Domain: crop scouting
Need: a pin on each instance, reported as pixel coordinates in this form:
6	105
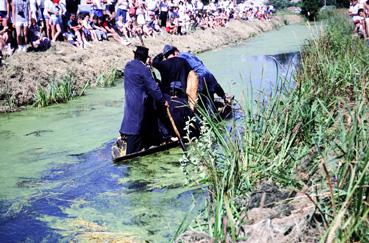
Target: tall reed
108	79
314	136
58	91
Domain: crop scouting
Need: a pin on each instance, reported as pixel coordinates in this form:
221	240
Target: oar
175	129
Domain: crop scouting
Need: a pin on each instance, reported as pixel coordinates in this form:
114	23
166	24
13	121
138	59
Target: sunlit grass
108	79
61	91
313	138
58	92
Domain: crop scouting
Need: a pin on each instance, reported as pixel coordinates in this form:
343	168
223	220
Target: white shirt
356	18
140	17
354	9
122	4
200	5
189	6
98	4
63	6
151	4
33	8
212	7
48	7
3	5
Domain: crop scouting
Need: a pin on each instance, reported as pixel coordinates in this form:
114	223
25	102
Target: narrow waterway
57	180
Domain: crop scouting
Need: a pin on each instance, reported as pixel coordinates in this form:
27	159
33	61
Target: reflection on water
258	73
57	181
270	69
249	66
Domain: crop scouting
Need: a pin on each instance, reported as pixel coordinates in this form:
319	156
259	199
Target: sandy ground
24	72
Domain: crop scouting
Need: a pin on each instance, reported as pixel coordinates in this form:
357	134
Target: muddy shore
25	72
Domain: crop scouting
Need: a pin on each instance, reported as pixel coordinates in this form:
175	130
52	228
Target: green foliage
108	79
322	123
310	8
58	92
65	89
326	12
216	166
336	3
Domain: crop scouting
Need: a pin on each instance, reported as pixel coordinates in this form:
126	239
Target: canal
57	180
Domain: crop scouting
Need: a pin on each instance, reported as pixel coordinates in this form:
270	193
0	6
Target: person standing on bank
142	94
22	19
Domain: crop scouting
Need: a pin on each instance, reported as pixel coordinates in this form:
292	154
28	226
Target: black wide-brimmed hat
142	51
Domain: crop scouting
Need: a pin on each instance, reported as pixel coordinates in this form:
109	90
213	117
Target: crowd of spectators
359	12
35	24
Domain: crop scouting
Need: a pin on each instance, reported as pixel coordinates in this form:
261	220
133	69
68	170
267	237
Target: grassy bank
307	144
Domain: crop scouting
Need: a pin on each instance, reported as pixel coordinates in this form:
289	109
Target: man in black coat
179	83
142	96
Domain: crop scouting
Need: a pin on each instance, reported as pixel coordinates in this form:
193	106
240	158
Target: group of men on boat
185	83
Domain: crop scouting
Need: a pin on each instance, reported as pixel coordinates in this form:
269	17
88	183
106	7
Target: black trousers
163	18
150	132
135	143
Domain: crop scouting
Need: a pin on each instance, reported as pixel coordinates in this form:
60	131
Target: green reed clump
63	90
314	136
211	157
108	79
58	92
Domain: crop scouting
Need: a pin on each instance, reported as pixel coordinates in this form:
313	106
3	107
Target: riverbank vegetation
311	9
109	79
298	169
58	91
67	88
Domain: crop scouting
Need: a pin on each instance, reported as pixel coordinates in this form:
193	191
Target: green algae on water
73	128
151	203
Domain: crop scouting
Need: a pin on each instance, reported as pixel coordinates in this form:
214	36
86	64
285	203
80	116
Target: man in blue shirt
208	85
142	96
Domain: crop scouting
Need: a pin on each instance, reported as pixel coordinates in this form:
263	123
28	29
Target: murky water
57	181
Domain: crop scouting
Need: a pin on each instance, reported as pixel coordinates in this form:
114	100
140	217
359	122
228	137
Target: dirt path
24	72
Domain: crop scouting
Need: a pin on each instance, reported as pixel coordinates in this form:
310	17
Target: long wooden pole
175	129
